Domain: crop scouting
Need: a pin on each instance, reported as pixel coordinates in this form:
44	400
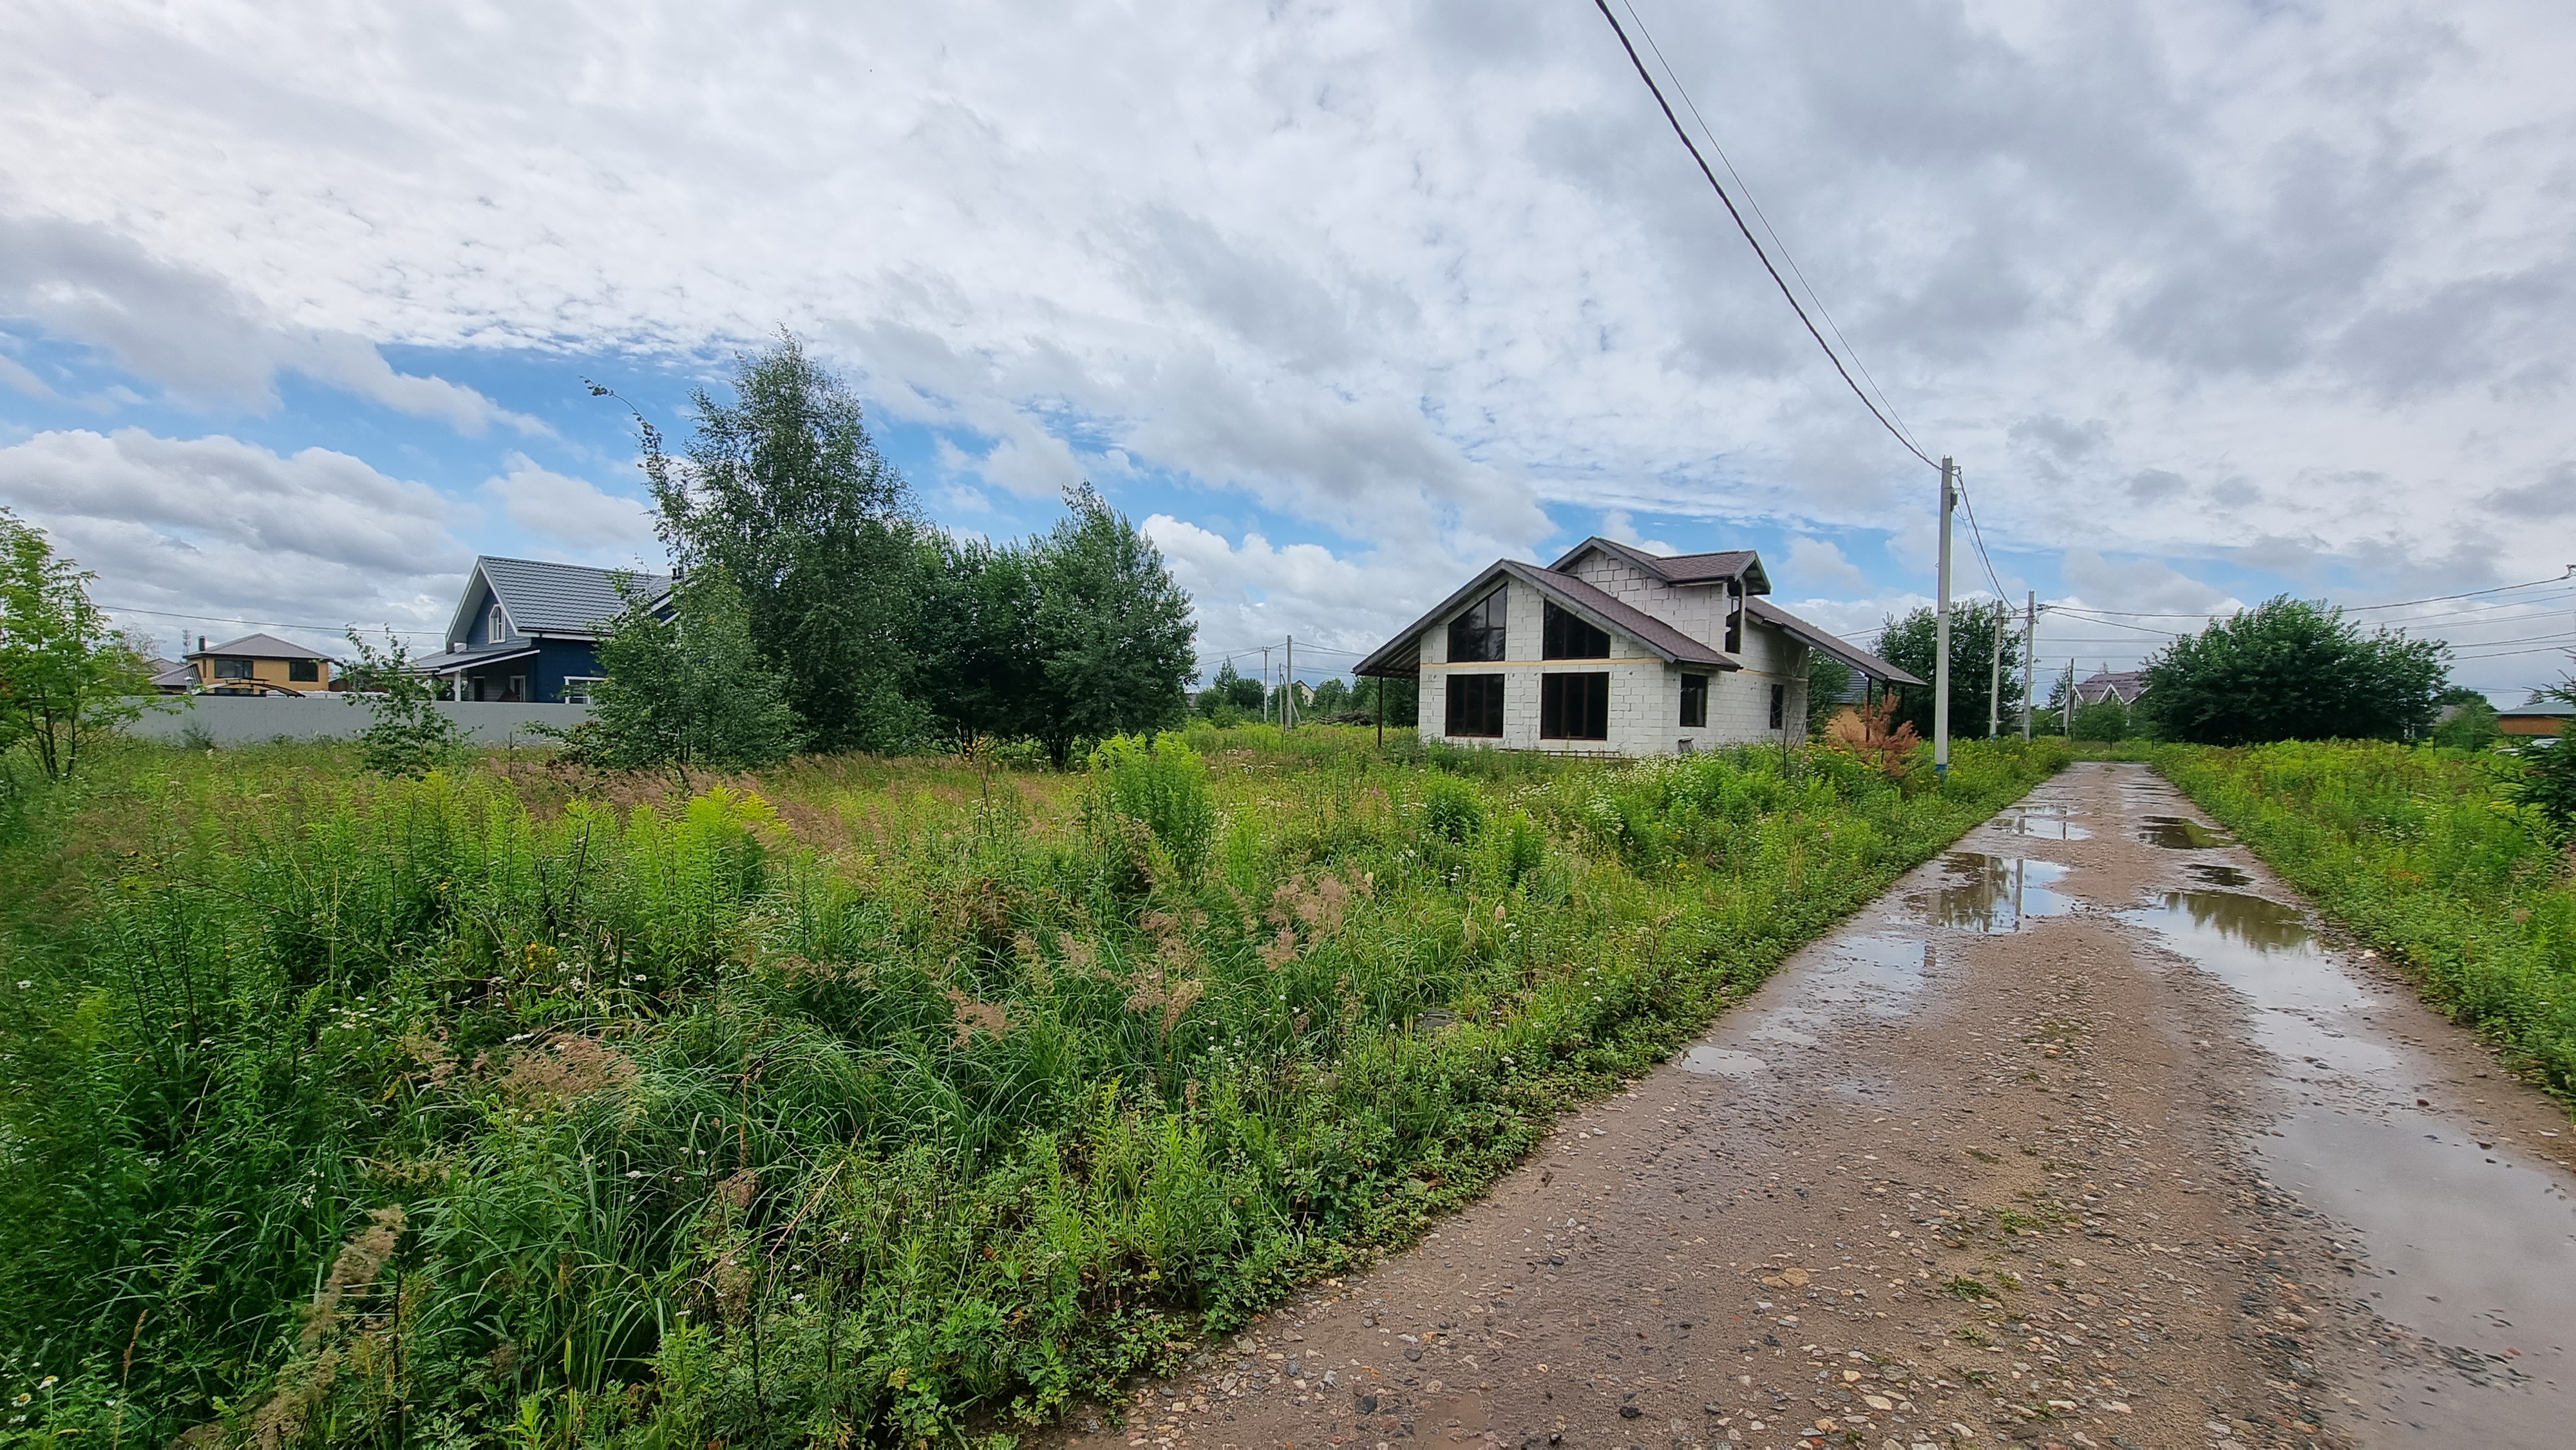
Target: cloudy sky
2211	300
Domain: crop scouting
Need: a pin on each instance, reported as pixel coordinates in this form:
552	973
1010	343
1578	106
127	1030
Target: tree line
812	606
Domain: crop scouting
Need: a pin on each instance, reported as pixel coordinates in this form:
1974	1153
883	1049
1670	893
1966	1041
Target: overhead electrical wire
257	623
1750	240
1745	189
2348	609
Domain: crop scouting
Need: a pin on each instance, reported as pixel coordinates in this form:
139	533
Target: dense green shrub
464	1110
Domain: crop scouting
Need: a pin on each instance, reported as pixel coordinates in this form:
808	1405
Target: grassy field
2418	853
869	1101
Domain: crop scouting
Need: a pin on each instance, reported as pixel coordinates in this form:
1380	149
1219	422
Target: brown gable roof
1402	655
1680	568
1850	654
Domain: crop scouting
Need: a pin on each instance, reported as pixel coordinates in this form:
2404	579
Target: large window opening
1478	633
497	629
1695	701
304	672
231	668
1476	705
577	689
1779	704
1734	616
1574	707
1565	636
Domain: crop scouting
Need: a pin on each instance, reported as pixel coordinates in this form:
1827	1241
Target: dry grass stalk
565	1069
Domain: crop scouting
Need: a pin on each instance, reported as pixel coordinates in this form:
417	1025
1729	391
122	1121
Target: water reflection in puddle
1992	893
2044	821
2179	833
2220	874
2265	950
2472	1246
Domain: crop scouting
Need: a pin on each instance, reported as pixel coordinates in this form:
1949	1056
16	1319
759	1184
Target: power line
1764	217
1750	240
2348	609
259	623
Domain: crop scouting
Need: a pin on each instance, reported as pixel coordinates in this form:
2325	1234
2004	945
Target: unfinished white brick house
1614	651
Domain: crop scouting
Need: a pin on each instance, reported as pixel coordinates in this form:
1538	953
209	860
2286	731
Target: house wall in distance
556	661
1645	692
256	720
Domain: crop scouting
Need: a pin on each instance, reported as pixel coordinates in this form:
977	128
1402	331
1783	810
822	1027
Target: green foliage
65	676
1913	643
1452	809
2426	855
2548	782
781	488
1828	680
2109	718
1112	633
686	687
2291	670
2472	723
1160	783
1230	698
890	1103
406	734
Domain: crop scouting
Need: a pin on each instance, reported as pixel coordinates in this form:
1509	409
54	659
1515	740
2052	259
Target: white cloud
209	529
574	512
1819	564
194	334
1617	526
2140	584
2190	275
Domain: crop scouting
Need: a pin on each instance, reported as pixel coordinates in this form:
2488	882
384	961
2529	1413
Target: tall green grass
2419	852
867	1101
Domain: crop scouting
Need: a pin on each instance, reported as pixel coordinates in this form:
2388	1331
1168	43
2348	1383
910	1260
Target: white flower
634	1172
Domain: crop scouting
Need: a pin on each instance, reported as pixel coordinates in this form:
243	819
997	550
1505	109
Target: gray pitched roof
261	647
1680	568
1850	654
1400	656
544	598
471	656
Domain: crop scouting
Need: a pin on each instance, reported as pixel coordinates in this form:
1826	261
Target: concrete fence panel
247	720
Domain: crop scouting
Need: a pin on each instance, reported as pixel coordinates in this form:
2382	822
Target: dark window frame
1695	702
1584	695
1482	698
304	672
1566	635
1779	705
235	667
1734	616
1479	632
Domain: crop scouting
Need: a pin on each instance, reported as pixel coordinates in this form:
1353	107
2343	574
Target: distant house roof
2103	684
551	599
476	656
1680	568
259	647
1401	656
2545	707
172	675
1850	654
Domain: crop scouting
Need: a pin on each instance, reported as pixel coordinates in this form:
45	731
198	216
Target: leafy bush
1161	784
1451	808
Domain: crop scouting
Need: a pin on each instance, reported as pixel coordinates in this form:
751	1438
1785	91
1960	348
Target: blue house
528	631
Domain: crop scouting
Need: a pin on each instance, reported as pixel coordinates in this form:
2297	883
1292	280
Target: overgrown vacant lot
2423	854
865	1101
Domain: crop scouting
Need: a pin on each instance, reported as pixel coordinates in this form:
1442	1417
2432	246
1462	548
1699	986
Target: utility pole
1288	701
2070	698
1941	637
2029	627
1995	679
1265	684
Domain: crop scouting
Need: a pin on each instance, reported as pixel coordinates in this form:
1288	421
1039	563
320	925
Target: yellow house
256	663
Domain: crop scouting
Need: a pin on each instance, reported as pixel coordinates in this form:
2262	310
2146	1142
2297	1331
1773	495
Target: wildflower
48	1382
634	1172
23	1398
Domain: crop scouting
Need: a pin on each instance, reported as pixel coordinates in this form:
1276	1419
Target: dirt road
2079	1137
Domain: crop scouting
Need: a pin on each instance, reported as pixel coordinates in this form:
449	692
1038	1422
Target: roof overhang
1815	638
1402	656
459	664
1743	565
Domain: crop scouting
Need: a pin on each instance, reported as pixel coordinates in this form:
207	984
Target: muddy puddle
2180	833
2219	873
2462	1239
2046	822
1988	893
